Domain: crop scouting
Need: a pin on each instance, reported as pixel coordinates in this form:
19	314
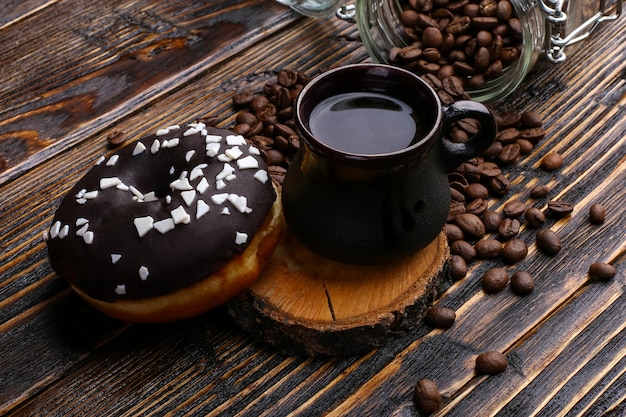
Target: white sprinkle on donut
65	230
144	273
162	132
202	208
136	192
212	149
219	198
143	225
120	290
156	145
112	160
261	175
81	221
235	140
181	185
190	131
188	196
180	215
239	202
109	182
100	160
254	150
220	184
81	232
115	257
189	155
202	186
54	230
233	153
225	211
248	162
212	139
151	196
90	195
139	148
88	237
241	238
165	225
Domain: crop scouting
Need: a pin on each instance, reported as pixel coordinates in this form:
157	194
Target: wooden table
73	71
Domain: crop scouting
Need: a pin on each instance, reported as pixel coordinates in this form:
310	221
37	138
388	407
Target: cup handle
456	153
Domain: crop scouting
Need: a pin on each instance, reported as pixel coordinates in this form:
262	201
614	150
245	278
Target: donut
168	227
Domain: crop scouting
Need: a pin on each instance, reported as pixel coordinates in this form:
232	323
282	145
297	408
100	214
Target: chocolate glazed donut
162	216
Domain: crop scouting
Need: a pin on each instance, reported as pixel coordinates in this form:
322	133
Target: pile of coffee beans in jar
475	40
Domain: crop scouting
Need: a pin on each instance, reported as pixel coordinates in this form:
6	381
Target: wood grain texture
565	342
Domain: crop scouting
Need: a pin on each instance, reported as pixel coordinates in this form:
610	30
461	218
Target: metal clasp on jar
347	12
556	19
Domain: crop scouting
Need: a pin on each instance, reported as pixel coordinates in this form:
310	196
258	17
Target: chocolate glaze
174	260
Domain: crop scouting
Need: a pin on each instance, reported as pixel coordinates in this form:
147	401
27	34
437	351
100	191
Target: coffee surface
365	123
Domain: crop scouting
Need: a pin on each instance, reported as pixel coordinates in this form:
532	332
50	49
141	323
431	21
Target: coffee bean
504	10
514	209
476	190
533	135
440	317
477	206
426	397
488	248
525	146
522	283
499	185
456	195
514	251
507	136
454	232
548	242
539	191
510	153
470	224
508	119
488	170
534	217
597	213
508	228
491	220
464	249
116	138
491	363
600	271
551	162
495	280
458	267
531	119
243	98
560	208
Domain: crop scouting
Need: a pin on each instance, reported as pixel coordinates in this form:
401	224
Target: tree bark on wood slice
304	304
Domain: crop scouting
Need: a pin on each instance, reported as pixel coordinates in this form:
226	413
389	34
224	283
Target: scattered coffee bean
458	267
471	224
488	248
440	317
426	397
597	213
560	208
600	271
476	190
116	138
464	249
495	280
539	191
530	119
514	209
491	220
491	363
508	228
454	232
514	251
551	162
534	217
522	283
548	242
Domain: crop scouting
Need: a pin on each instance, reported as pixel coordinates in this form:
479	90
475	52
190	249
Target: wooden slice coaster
305	304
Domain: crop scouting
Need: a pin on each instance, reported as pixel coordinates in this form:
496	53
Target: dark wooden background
73	71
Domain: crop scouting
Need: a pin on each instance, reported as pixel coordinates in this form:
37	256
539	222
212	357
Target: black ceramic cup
369	184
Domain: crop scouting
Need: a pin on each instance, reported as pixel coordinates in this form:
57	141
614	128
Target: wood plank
207	364
103	60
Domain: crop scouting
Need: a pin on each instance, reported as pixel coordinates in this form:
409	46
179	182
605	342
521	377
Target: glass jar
547	28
